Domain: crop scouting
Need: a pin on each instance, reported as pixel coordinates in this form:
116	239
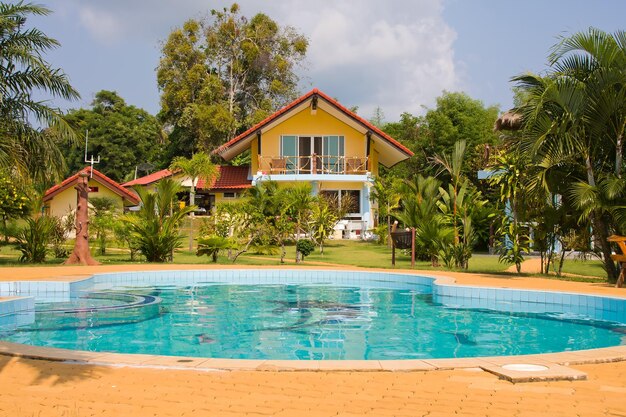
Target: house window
299	151
93	189
230	195
342	197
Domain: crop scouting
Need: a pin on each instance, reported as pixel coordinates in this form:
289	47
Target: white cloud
398	55
104	26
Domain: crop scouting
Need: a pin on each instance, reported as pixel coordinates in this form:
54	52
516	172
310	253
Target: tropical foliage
126	138
155	228
33	238
573	126
25	77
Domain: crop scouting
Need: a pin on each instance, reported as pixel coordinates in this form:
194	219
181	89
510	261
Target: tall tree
456	117
123	135
220	75
574	119
29	152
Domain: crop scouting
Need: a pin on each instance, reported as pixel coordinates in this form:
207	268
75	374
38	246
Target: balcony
313	165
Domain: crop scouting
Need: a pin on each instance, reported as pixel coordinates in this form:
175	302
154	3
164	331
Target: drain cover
524	367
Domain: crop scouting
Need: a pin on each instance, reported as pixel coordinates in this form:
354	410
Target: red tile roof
98	176
230	178
305	97
149	179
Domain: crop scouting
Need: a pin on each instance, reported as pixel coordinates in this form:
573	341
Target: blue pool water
309	321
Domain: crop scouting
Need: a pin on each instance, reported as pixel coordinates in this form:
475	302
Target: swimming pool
305	315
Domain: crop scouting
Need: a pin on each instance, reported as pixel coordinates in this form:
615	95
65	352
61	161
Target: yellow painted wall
219	198
254	154
65	201
343	185
320	124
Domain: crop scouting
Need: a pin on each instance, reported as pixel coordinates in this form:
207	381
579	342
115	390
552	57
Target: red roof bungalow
60	199
230	182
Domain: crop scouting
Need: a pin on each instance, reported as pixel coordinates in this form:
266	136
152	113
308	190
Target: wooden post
619	258
412	247
393	244
81	255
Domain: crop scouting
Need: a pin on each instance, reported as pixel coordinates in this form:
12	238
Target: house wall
303	124
65	201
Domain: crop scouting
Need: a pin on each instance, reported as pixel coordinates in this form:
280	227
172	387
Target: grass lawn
344	252
338	252
589	268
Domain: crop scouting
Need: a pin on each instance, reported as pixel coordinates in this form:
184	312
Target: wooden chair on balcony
356	165
265	165
619	257
278	166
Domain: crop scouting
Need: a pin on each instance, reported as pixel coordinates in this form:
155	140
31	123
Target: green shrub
305	247
212	245
32	240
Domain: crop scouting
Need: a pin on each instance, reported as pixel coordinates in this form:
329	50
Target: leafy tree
102	220
456	117
25	77
305	247
123	135
14	202
156	226
323	220
300	202
220	76
378	118
387	199
409	131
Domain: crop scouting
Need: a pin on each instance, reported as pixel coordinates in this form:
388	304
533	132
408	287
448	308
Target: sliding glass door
299	151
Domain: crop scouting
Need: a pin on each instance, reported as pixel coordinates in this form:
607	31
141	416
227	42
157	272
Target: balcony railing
313	164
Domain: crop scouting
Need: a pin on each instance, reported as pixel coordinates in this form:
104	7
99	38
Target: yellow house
61	199
316	139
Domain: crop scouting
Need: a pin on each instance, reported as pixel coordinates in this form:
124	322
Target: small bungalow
229	184
60	199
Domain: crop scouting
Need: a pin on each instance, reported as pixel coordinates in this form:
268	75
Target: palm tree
199	167
387	199
574	118
29	152
156	226
453	165
300	201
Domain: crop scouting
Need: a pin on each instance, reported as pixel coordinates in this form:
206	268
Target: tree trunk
601	230
81	254
283	252
192	201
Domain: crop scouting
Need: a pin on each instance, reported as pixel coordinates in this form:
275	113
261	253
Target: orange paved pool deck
31	387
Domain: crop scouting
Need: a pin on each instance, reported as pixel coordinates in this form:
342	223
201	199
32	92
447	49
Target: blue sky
397	54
